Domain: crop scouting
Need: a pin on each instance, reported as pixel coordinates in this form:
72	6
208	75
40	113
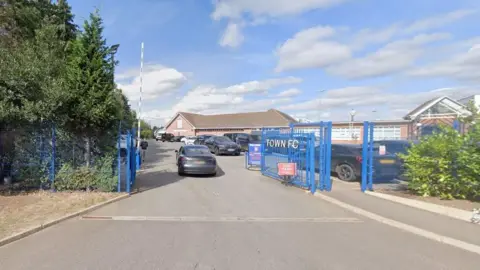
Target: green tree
32	45
475	114
92	108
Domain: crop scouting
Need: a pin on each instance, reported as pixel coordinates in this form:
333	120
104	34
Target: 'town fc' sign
283	143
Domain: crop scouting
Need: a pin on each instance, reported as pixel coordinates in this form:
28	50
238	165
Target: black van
166	137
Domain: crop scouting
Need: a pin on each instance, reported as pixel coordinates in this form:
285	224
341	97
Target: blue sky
315	59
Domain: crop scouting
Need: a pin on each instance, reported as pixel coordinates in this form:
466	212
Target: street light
352	119
352	115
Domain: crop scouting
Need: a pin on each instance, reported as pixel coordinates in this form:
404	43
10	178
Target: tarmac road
236	220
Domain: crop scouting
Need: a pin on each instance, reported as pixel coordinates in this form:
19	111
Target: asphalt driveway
236	220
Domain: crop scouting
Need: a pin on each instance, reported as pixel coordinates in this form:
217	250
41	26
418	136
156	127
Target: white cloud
271	8
292	92
209	99
393	57
320	47
464	67
157	80
232	37
369	102
260	86
439	20
309	49
256	12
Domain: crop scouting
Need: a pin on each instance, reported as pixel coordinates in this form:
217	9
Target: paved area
236	220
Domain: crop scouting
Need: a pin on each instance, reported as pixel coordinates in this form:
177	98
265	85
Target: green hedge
445	164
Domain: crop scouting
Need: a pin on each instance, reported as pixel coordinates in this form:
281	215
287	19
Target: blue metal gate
127	162
306	145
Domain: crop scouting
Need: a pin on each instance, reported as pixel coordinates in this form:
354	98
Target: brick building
191	124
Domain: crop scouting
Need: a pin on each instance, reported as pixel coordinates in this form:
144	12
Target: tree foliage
51	71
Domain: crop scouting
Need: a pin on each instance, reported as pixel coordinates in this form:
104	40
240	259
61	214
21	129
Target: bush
100	177
445	164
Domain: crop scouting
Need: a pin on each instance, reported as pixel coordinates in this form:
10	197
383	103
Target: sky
313	59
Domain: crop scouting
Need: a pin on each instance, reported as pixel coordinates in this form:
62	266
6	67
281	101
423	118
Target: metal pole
140	99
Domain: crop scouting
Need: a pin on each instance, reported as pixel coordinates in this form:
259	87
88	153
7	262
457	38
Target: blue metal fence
33	156
306	145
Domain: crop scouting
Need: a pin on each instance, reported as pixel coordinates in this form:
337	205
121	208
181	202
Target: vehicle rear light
359	158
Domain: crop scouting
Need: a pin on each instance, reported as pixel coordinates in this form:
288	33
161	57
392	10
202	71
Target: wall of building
341	133
180	127
220	132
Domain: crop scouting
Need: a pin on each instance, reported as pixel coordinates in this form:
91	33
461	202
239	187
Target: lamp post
352	119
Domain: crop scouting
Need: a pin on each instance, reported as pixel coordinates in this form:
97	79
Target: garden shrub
100	177
445	164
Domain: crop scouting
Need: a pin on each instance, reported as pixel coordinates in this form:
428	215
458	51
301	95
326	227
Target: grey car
195	159
221	145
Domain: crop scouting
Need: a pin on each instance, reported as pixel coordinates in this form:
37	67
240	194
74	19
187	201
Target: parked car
189	140
195	159
166	137
177	139
395	147
201	139
222	145
347	162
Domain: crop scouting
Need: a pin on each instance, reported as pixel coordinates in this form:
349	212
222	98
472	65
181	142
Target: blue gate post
52	162
119	157
370	157
328	156
262	160
129	161
364	156
311	149
321	154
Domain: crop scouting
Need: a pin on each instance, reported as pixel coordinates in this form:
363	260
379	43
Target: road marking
222	219
402	226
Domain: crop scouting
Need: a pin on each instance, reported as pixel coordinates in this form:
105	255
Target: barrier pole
364	156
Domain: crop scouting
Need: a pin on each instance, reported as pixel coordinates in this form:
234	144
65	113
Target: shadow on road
156	179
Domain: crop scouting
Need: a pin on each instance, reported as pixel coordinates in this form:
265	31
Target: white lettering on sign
283	143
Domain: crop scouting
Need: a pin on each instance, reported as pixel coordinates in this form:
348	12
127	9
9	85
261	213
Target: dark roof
270	118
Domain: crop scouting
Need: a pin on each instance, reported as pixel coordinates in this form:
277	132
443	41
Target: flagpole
140	99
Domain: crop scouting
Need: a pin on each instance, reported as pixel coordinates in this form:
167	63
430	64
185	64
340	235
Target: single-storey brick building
191	124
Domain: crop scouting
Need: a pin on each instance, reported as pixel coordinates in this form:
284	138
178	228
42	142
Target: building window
179	123
387	133
345	133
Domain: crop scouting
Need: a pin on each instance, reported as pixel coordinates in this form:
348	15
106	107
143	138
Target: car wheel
217	152
180	173
213	174
345	172
237	154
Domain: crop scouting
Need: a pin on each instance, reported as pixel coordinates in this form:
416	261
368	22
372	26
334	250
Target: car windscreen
222	139
196	151
255	138
242	136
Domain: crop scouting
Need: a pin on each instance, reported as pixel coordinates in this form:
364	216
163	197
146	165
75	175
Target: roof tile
270	118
